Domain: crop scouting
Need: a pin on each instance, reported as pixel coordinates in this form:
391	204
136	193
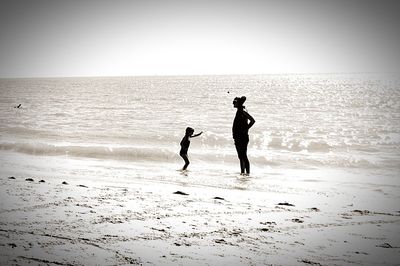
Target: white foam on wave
96	151
148	154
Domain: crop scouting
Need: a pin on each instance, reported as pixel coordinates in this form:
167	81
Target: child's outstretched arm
197	135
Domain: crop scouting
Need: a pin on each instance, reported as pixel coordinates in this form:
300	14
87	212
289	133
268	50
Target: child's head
189	131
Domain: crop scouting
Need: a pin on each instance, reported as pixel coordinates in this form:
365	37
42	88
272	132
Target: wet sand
153	223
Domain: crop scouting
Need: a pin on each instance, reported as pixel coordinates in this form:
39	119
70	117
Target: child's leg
186	159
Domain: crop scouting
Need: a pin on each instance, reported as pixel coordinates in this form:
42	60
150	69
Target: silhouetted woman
240	131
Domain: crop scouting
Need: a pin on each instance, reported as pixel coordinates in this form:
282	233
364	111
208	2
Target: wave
100	152
278	143
315	156
129	153
263	141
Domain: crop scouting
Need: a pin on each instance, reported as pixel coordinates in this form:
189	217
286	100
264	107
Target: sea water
129	128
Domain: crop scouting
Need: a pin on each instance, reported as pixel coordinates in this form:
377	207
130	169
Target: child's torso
185	143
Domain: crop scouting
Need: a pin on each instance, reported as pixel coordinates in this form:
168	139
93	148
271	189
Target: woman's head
238	102
189	131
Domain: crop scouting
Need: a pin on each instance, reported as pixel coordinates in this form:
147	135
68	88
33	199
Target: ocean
308	126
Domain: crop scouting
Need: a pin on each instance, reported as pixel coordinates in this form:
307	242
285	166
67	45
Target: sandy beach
309	222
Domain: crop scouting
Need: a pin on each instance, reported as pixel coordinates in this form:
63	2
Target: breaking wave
100	152
262	158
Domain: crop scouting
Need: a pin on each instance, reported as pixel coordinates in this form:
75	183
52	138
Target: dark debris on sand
29	180
12	245
220	241
285	204
310	262
11	177
218	198
361	212
386	245
64	183
180	193
296	220
268	223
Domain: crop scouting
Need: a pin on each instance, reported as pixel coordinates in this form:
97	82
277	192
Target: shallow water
130	127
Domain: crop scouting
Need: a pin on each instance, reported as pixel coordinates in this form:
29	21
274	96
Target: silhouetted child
185	143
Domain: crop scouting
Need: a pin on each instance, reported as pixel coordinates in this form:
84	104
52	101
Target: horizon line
200	75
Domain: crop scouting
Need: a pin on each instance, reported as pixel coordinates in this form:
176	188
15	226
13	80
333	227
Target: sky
54	38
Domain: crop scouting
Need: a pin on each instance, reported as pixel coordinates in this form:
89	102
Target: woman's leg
242	166
241	148
246	164
245	159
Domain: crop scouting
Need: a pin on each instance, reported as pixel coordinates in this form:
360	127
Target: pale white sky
112	38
